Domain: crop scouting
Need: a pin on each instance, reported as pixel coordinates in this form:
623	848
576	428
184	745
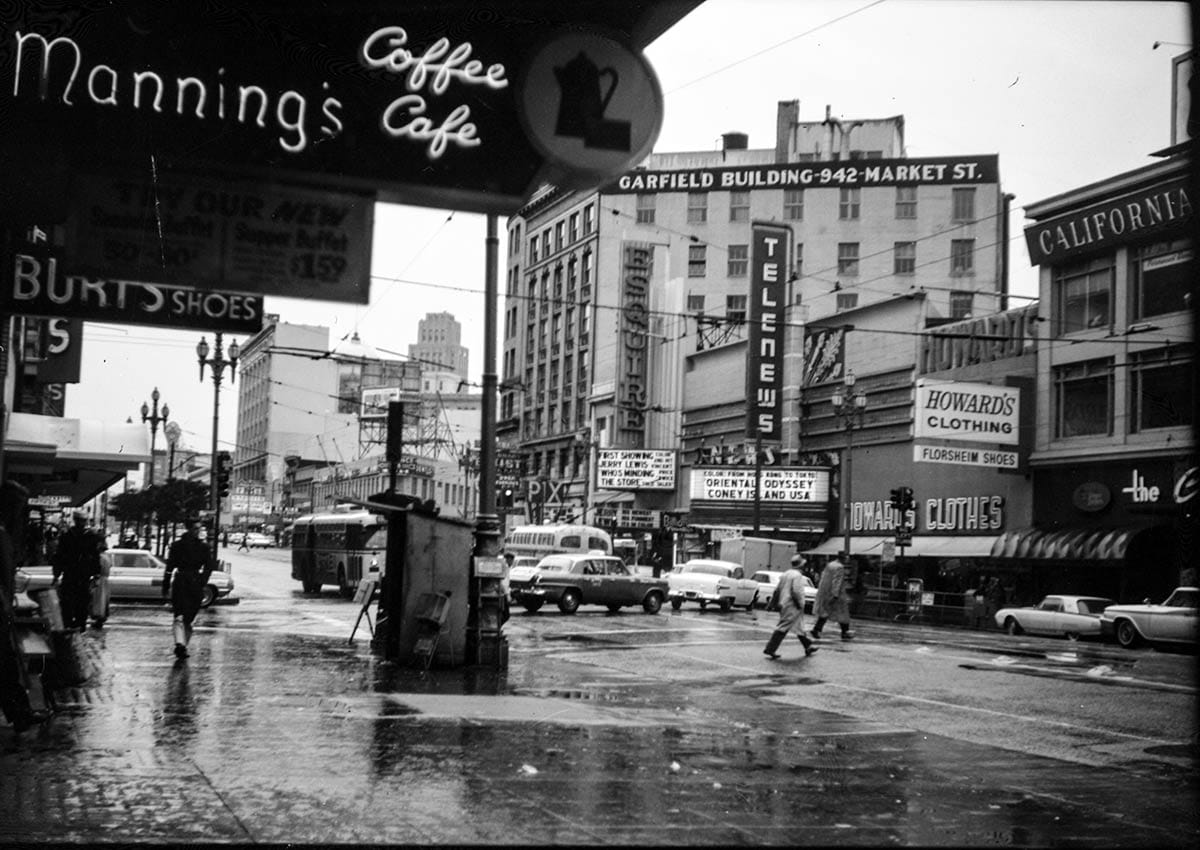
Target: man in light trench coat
791	611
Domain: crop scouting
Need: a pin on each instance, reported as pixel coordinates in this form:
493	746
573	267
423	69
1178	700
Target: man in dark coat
189	564
76	563
833	600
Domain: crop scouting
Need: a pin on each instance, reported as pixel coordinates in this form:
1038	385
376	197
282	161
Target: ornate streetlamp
216	365
155	420
850	406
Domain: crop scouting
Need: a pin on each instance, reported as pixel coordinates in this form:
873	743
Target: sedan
1174	621
135	574
707	580
1072	616
573	580
768	586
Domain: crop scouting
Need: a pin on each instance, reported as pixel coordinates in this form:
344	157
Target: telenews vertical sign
770	244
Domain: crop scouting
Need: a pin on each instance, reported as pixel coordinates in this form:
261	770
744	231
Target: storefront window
1083	395
1162	277
1161	388
1083	295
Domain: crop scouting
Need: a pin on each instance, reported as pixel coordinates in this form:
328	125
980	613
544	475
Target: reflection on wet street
265	737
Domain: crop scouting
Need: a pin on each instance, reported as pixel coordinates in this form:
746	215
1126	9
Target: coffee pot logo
585	91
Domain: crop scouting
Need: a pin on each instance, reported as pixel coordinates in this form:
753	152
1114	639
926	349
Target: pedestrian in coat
245	543
189	564
833	601
76	564
791	611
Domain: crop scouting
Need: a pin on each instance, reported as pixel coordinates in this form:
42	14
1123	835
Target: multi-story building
628	312
439	345
1114	465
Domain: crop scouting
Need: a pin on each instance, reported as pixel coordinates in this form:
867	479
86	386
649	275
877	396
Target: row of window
962	206
904	259
1161	393
1161	276
962	304
578	225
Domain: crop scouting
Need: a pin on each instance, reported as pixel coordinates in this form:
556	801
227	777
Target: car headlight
21	582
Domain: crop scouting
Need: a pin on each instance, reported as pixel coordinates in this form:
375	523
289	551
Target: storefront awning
1087	544
922	546
75	459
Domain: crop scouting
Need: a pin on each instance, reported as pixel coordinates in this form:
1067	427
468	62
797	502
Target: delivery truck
757	553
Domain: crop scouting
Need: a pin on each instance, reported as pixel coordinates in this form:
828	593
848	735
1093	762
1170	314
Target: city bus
338	548
538	541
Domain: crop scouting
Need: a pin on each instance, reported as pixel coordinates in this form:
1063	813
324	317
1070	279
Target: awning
76	459
1070	543
922	546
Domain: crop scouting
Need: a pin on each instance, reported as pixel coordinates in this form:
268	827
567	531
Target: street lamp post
173	432
850	406
216	365
155	420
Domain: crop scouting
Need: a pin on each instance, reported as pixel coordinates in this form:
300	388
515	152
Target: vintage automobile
768	583
573	580
705	580
255	540
1174	621
1072	616
135	574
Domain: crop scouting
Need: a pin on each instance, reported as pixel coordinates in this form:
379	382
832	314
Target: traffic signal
224	465
896	499
504	497
906	498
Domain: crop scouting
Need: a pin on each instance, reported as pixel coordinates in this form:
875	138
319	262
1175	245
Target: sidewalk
263	737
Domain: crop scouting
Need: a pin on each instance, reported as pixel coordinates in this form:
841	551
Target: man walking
189	565
791	611
76	563
833	601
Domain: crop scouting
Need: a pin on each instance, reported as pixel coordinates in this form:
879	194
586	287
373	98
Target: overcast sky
1065	93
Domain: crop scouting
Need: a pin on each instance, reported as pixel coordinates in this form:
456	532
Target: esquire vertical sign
764	355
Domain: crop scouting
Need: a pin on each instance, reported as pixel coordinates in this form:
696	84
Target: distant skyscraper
438	346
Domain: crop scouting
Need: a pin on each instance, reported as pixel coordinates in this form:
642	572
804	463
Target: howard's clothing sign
857	173
967	412
1102	225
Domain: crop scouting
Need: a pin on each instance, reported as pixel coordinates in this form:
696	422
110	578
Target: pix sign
417	101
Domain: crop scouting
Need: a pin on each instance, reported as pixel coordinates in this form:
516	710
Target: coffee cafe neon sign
431	71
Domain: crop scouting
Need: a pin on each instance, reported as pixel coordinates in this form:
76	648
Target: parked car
257	540
1174	621
573	580
705	580
135	574
1072	616
768	584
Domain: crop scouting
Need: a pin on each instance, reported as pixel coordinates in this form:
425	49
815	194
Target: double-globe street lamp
216	365
850	406
152	416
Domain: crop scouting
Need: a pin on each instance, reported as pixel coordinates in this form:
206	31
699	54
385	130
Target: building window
546	243
645	209
533	249
589	219
962	256
1083	399
695	303
906	202
697	212
735	308
572	276
905	258
847	258
1161	388
1083	295
560	230
696	261
573	229
793	204
739	205
798	261
586	273
963	204
847	300
962	304
739	260
1161	278
849	203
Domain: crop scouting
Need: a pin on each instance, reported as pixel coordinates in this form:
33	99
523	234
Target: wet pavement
264	737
